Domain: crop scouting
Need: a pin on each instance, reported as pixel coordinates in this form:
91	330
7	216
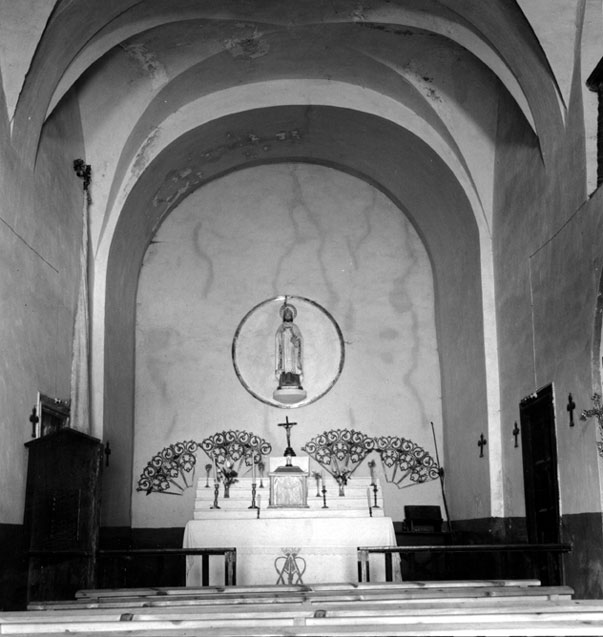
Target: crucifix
515	433
481	443
571	405
287	425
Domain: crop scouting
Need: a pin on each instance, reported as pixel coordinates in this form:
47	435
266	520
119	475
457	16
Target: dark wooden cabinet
61	520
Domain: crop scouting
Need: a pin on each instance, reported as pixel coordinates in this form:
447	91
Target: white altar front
289	545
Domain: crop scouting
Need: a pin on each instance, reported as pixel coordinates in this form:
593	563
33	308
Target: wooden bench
488	607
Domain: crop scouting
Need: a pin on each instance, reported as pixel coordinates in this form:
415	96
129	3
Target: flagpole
441	474
80	362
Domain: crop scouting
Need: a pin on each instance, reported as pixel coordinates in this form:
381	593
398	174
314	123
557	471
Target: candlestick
216	493
253	497
324	496
375	489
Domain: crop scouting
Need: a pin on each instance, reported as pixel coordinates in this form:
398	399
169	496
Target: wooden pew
495	607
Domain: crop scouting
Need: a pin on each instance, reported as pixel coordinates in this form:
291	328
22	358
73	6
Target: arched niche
388	156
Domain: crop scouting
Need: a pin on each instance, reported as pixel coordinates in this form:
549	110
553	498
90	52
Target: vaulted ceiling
407	94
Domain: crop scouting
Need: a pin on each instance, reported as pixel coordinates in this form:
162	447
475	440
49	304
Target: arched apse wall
253	234
398	163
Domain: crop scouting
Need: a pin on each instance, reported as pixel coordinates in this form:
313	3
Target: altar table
308	550
313	544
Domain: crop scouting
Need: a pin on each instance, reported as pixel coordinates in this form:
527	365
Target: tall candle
215	471
259	498
253	470
322	479
368	496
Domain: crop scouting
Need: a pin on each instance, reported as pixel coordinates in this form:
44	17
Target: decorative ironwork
167	470
340	452
235	450
597	411
405	463
84	172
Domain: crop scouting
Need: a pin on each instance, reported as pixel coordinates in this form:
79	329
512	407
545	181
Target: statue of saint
289	367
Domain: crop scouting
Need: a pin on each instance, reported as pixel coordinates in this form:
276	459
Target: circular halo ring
248	376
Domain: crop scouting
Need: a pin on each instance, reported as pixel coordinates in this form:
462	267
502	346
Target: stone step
354	504
277	513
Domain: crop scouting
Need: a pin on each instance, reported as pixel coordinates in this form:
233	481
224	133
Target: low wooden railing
129	555
550	552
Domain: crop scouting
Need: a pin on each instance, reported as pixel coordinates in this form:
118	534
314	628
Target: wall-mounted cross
516	434
571	405
481	443
34	420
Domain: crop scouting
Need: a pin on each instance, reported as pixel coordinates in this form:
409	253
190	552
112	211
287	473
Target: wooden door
541	484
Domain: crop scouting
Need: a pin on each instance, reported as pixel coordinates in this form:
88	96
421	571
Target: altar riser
275	513
354	503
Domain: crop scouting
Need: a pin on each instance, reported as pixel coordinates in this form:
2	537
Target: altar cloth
323	549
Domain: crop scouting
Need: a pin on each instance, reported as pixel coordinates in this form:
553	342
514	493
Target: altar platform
290	545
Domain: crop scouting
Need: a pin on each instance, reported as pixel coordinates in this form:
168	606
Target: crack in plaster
203	256
403	305
299	203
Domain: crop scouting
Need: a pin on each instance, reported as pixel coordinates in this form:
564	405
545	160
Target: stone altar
289	544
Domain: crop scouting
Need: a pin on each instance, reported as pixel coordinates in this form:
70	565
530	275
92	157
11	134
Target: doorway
541	484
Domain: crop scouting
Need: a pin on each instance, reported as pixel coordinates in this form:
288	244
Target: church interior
405	191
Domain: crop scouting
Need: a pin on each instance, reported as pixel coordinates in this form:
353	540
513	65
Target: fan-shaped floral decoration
340	452
167	470
404	462
234	450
